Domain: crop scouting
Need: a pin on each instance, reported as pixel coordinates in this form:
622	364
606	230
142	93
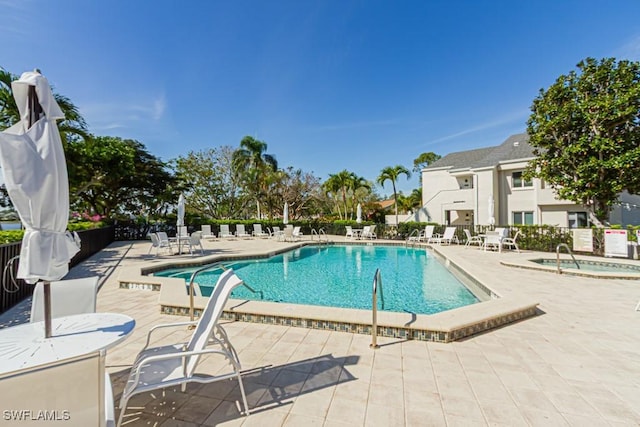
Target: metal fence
11	293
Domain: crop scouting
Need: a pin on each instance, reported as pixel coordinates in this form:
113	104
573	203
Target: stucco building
485	186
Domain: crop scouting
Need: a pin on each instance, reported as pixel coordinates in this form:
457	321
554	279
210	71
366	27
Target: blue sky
328	85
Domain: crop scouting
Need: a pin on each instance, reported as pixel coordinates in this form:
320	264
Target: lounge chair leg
244	396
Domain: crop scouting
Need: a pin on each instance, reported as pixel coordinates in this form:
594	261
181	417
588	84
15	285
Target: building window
577	219
518	182
523	218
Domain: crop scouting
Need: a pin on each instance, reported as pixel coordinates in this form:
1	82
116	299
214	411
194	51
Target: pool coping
496	310
530	264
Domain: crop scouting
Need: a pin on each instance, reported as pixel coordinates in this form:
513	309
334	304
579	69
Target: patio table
25	345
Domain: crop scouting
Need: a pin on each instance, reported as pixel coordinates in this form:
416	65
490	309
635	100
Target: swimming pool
341	276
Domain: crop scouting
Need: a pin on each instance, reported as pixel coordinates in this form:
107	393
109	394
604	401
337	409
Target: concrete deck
576	363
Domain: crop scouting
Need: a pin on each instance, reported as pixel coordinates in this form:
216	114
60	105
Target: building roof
515	147
385	204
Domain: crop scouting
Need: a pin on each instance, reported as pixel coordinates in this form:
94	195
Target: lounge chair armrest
177	355
166	325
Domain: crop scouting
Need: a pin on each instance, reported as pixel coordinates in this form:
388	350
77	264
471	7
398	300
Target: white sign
615	243
582	240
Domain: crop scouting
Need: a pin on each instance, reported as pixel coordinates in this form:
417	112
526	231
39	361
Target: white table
25	345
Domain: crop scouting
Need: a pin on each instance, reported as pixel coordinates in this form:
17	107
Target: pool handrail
564	245
205	268
377	284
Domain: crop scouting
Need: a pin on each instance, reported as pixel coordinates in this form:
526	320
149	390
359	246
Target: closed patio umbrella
180	222
491	207
35	175
285	215
359	214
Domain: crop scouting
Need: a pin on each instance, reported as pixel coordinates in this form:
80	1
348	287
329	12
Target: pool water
600	266
342	276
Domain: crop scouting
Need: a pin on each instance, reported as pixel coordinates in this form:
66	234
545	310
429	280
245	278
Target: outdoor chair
195	241
493	240
511	242
68	297
157	244
78	386
368	232
349	233
171	365
448	237
277	233
241	232
206	231
296	233
164	241
472	240
257	231
224	232
182	231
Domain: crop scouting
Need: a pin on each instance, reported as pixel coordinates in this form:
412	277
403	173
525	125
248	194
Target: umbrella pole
47	308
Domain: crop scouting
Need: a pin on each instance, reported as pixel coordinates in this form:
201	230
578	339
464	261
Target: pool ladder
377	285
564	245
205	268
320	233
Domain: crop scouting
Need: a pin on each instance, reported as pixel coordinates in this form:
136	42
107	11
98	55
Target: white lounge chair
172	365
73	296
424	235
224	232
368	232
182	231
511	242
297	234
195	242
277	234
349	233
206	231
448	237
472	240
287	234
241	232
257	231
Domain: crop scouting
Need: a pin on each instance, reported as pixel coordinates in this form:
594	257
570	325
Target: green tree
110	175
252	163
339	183
424	160
585	130
212	189
392	173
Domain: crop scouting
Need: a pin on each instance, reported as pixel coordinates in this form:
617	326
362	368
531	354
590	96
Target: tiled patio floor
577	363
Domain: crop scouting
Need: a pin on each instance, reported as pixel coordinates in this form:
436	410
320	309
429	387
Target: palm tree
391	173
252	162
357	183
340	182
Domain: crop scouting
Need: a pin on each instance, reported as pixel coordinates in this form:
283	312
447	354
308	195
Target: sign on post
615	243
582	240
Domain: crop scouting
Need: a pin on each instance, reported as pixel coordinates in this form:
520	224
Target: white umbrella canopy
35	175
359	214
491	207
285	215
181	207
